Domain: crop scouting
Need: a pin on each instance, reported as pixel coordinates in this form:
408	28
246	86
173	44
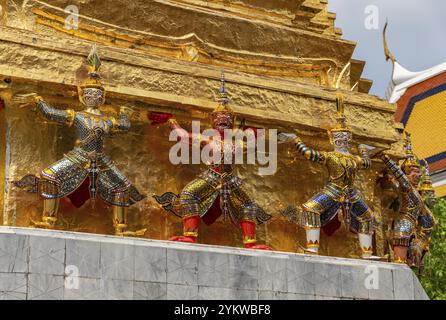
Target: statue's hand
126	111
377	152
283	137
26	99
364	147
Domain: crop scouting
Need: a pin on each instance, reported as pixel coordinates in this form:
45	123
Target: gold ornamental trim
190	47
190	234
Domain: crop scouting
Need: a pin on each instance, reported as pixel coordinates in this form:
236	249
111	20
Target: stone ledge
36	264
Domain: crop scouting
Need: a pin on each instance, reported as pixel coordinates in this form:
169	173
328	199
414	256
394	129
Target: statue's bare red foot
184	239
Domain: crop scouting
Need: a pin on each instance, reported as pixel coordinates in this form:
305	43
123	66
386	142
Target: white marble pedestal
41	264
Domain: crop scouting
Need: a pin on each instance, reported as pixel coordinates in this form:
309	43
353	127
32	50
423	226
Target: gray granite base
42	264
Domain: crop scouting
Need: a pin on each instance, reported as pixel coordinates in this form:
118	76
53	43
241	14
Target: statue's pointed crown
223	100
341	120
411	159
93	63
426	184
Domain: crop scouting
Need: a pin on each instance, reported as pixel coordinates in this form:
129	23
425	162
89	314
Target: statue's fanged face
414	175
342	141
93	97
222	121
429	197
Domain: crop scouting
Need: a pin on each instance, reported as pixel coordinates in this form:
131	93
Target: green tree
433	277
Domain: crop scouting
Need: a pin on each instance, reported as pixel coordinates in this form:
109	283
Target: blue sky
416	35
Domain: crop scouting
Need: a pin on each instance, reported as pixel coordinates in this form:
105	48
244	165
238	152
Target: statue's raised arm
53	114
309	153
46	110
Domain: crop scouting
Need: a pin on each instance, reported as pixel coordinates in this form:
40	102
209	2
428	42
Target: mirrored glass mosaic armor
87	159
217	190
339	195
413	227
